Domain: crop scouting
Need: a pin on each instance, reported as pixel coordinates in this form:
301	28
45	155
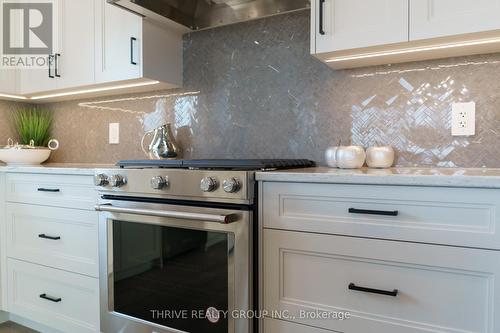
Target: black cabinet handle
321	14
52	299
53	190
373	212
392	293
132	41
51	59
57	56
49	237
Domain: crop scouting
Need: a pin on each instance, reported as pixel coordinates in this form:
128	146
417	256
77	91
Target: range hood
204	14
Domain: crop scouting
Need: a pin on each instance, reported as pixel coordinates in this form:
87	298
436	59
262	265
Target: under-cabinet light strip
13	96
93	90
414	50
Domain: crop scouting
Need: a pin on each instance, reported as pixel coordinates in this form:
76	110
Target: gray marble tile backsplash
253	90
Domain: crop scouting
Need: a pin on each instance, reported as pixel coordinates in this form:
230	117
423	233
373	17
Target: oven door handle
225	219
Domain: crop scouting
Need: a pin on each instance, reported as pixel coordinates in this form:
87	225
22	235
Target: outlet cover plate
463	119
114	133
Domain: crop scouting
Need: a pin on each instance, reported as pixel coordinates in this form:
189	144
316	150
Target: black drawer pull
57	56
321	14
392	293
373	212
53	190
49	237
132	42
50	62
52	299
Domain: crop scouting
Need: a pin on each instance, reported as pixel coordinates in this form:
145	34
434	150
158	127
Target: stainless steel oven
173	263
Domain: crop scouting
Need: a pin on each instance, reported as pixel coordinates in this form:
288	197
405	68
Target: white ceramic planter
24	157
15	156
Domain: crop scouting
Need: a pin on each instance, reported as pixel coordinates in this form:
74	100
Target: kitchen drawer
452	216
280	326
75	298
57	237
72	191
439	288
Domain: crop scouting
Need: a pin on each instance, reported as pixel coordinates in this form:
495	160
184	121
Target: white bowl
24	157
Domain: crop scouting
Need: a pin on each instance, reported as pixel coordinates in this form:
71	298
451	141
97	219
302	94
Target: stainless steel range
176	244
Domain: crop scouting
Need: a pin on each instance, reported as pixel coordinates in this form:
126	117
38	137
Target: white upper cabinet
131	48
439	18
72	61
349	24
119	39
359	33
100	49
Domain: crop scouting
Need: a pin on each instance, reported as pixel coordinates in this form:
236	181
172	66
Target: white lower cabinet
53	297
466	217
49	251
69	191
412	288
59	237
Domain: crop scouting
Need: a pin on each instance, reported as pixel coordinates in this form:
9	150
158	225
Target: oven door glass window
171	276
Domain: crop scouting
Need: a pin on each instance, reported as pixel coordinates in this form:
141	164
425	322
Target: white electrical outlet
114	133
463	119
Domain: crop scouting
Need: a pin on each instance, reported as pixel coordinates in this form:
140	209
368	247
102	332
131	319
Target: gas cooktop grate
219	164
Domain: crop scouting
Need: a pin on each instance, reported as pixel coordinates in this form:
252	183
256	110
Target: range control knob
231	185
159	182
117	181
101	180
208	184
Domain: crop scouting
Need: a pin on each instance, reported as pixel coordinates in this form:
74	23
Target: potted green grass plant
33	124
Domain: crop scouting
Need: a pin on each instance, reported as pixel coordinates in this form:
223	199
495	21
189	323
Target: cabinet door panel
73	39
439	18
414	288
119	44
76	63
74	247
350	24
31	288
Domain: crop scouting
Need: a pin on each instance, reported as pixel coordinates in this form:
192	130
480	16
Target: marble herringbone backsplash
253	90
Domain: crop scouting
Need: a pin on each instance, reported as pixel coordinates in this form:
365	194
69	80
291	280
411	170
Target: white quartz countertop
450	177
57	168
447	177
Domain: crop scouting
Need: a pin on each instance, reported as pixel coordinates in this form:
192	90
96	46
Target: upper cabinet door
439	18
119	44
75	64
73	51
349	24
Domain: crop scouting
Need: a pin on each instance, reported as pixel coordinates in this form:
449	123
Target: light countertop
57	168
447	177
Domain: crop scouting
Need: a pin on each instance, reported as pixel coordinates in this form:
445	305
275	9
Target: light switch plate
463	119
114	133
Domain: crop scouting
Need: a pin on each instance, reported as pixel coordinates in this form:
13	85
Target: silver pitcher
162	144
